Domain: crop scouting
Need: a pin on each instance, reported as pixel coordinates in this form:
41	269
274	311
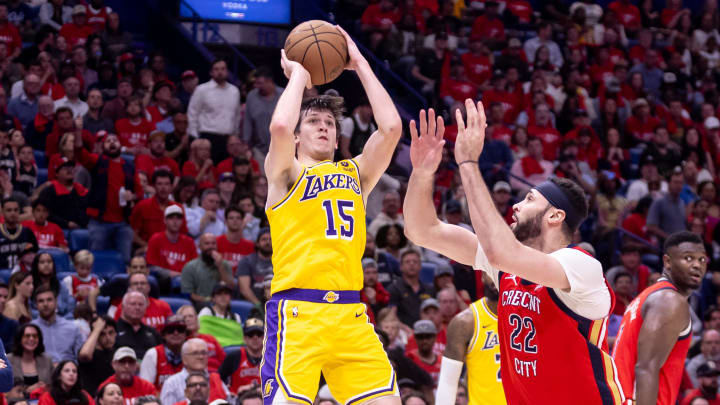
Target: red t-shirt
550	138
233	252
477	68
150	164
510	102
642	131
156	115
695	394
148	218
191	169
52	140
48	235
432	369
628	15
376	17
667	15
155	314
520	9
47	399
172	256
131	134
636	224
227	166
98	18
10	36
458	90
138	388
75	34
484	27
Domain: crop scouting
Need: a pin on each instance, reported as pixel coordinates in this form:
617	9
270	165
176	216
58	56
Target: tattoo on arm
459	332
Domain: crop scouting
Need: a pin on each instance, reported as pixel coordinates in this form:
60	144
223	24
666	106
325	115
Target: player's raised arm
379	149
498	242
281	155
422	225
660	330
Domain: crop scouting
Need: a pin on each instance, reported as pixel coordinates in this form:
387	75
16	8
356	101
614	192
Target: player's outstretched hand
290	66
426	147
471	138
355	57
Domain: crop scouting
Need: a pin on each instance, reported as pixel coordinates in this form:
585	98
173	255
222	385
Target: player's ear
666	261
556	216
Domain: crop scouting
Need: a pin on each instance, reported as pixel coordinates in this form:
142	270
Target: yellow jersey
483	358
318	230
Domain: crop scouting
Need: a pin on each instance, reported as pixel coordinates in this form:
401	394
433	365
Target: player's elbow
277	126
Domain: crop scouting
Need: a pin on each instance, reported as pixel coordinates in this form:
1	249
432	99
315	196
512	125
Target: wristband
469	161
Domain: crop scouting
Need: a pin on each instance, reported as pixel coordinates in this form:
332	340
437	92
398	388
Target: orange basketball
320	48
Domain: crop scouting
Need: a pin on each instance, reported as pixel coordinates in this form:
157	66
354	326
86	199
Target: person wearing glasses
165	359
194	359
241	368
197	388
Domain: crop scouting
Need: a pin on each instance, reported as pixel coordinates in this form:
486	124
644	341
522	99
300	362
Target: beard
265	251
113	153
529	229
207	257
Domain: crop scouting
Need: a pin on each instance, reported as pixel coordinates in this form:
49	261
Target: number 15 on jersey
344	226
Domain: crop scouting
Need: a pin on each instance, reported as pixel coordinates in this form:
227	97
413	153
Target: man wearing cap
164	360
66	200
124	363
62	338
641	124
667	213
488	26
148	216
132	332
373	293
430	310
197	389
213	110
241	368
707	388
259	108
77	31
253	268
502	195
93	121
71	100
95	356
199	276
195	359
550	284
425	334
454	214
188	83
168	251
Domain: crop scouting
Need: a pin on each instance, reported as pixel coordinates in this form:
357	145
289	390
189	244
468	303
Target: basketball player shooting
315	320
553	300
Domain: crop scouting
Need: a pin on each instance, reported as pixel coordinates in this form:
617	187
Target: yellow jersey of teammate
483	358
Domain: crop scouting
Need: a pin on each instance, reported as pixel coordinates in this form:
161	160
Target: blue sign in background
253	11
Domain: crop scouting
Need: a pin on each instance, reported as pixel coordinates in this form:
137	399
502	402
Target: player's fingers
481	112
431	122
471	113
460	122
413	131
440	133
423	123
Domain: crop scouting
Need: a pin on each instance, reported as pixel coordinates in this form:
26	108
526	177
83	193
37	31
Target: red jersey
696	393
150	164
75	34
216	354
155	314
147	218
625	350
130	134
74	284
376	17
48	235
627	14
191	169
486	28
550	138
226	166
163	253
10	36
246	372
432	369
97	18
549	354
138	388
163	368
47	399
458	90
642	131
438	347
233	252
520	9
478	68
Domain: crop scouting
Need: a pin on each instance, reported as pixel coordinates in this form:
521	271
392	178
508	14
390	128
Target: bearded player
472	338
553	300
316	209
651	372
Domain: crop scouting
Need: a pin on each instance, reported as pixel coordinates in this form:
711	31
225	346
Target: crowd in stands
102	149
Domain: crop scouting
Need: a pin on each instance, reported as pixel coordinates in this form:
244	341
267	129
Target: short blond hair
84	257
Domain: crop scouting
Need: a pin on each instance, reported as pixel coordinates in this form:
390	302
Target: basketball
320	48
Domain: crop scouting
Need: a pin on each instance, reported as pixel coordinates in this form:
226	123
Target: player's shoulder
577	257
463	321
666	300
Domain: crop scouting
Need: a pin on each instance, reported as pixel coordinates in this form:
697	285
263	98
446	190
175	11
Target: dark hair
250	394
677	238
621	274
576	197
707	315
410	252
264	71
11	199
43	289
218	60
335	105
59	395
185	181
62	110
42	33
15	279
381	236
162	173
233	208
17	341
147	399
702	185
195	374
133	99
414	394
643	205
4	285
101	391
38	202
37	277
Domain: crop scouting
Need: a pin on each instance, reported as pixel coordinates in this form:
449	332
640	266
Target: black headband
558	199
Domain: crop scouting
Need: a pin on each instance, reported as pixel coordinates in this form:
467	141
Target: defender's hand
471	139
426	147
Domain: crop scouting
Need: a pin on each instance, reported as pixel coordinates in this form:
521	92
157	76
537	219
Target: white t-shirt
588	296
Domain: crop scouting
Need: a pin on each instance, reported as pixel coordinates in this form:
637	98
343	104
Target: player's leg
358	370
290	370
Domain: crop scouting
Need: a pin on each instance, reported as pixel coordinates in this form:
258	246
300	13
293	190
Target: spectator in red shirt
9	34
477	62
641	125
457	88
543	129
64	123
77	32
200	165
231	244
636	223
48	234
623	289
378	20
133	131
627	14
236	148
162	93
425	334
125	365
157	159
707	377
488	26
169	250
373	293
148	217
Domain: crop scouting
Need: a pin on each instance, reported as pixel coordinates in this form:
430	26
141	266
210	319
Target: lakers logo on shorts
268	388
331	297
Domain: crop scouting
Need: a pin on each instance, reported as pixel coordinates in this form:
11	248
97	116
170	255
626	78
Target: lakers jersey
483	358
318	230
